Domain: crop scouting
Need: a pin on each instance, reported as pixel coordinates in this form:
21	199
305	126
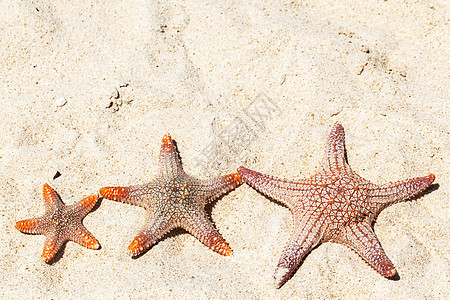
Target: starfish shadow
58	255
97	205
396	277
433	187
270	198
178	151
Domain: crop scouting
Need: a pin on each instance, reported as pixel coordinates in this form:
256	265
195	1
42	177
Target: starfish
61	223
335	205
175	199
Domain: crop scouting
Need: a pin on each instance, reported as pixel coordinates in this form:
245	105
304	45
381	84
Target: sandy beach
89	89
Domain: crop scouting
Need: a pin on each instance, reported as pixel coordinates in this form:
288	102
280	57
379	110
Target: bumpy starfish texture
175	199
61	223
335	205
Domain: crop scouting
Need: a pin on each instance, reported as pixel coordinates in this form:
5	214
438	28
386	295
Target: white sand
380	68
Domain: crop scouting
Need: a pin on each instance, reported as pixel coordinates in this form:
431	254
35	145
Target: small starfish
335	205
175	199
61	223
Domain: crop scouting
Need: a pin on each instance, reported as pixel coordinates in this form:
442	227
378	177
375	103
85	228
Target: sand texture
88	89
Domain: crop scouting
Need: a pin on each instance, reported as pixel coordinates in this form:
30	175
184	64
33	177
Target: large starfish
175	199
335	205
61	223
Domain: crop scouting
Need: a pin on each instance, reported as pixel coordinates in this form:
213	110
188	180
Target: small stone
364	49
61	102
359	69
115	94
57	174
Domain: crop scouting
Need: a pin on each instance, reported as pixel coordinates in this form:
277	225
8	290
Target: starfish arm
286	191
199	226
306	235
169	159
83	237
32	226
402	190
129	195
51	247
51	198
156	226
334	160
83	207
361	238
216	187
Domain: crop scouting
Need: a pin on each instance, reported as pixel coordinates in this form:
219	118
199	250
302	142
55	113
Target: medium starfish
175	199
61	223
335	205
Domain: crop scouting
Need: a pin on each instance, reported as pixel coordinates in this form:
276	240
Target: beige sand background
131	71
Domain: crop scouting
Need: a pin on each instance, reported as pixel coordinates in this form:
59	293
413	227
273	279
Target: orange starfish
61	223
175	199
335	205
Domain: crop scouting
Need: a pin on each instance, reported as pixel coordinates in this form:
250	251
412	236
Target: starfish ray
175	199
335	205
61	223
